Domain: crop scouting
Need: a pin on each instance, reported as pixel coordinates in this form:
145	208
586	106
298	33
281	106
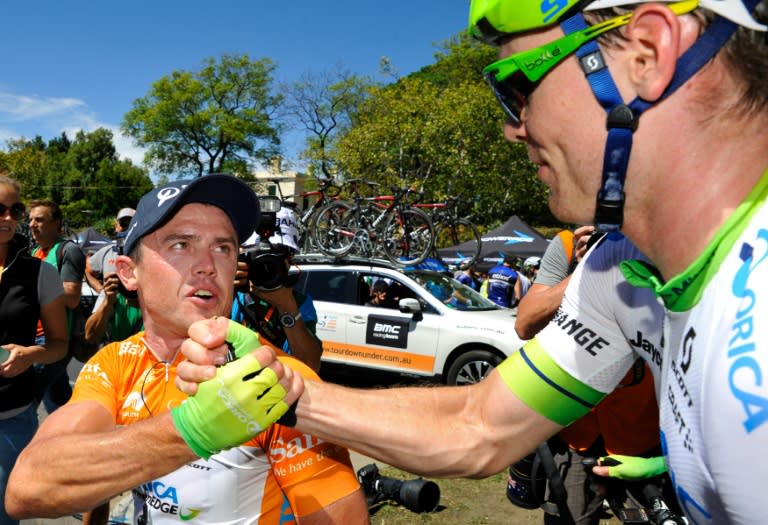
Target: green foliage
440	130
84	176
210	120
325	105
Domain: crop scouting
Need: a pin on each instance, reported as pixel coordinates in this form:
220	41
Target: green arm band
242	400
632	467
540	383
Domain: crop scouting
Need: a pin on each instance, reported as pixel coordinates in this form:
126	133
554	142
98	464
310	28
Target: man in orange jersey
128	427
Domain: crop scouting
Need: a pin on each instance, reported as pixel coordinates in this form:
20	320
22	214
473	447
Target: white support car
432	327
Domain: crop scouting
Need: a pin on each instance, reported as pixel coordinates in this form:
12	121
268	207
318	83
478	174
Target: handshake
243	398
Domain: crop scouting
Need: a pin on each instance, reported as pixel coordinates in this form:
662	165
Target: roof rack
309	258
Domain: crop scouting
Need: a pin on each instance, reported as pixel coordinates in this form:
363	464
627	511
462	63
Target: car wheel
470	367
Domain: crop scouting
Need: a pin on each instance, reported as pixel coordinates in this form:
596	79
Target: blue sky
70	65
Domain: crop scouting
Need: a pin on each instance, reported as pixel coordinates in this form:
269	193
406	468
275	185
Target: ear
656	38
125	268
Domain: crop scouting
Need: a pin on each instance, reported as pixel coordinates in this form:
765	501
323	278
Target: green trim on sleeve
534	377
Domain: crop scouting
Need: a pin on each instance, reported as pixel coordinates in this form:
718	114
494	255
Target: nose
205	263
515	133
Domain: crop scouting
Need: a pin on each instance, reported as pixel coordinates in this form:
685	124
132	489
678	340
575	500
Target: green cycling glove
241	401
633	467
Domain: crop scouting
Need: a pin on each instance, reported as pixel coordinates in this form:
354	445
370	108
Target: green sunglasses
514	78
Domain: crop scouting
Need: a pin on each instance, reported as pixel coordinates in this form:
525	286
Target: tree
217	119
440	129
324	104
84	176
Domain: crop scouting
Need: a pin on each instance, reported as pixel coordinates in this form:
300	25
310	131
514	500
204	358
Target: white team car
434	328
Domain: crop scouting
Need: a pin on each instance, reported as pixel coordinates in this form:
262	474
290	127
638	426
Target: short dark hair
380	286
56	213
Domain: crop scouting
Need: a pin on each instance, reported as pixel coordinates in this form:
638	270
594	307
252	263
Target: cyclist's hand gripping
630	467
243	397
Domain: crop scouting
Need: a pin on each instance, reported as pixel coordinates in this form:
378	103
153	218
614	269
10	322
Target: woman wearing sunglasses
29	290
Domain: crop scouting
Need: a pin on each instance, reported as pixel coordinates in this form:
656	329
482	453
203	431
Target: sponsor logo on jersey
133	402
287	450
653	353
94	370
129	348
161	497
587	338
745	375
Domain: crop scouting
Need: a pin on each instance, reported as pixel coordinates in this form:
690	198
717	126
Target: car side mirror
410	305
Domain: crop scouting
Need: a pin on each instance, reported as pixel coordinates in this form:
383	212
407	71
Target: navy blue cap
229	193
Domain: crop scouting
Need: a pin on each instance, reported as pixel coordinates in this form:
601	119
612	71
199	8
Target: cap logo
166	194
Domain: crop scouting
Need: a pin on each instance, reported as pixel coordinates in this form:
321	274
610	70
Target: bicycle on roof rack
328	191
372	226
453	230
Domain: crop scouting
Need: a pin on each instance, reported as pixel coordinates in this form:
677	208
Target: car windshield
451	292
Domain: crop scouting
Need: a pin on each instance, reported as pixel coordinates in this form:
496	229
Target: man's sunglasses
17	211
514	78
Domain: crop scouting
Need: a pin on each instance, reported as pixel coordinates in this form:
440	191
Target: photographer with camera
115	317
266	301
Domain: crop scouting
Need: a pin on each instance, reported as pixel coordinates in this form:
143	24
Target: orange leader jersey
279	475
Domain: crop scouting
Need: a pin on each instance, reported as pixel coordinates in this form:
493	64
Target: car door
383	337
333	293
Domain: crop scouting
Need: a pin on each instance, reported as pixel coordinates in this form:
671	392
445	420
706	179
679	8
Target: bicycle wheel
408	236
332	231
459	231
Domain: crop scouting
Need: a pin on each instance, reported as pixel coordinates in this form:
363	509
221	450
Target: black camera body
417	495
267	267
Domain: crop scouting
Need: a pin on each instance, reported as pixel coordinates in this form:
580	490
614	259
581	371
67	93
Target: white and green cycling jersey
702	334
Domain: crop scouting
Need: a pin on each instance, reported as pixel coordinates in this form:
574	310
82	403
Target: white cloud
27	116
24	108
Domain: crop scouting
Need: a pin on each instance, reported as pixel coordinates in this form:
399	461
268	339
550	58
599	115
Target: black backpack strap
557	490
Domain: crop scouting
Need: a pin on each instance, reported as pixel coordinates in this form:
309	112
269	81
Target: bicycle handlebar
658	510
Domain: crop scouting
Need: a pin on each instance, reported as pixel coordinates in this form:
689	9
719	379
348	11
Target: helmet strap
622	119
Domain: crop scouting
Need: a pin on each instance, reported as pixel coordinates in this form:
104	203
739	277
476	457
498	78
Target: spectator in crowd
102	263
564	252
531	267
30	289
504	284
116	314
525	282
181	258
45	225
469	277
283	316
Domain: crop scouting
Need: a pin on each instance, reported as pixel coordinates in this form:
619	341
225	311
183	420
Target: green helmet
490	20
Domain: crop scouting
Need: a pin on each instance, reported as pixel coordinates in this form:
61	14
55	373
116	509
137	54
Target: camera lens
267	271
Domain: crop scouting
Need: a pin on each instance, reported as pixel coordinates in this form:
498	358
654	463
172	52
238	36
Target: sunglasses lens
16	211
512	93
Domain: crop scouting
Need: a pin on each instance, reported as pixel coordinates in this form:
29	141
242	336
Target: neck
686	197
165	350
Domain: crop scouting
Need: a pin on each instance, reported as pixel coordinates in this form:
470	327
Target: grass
462	502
